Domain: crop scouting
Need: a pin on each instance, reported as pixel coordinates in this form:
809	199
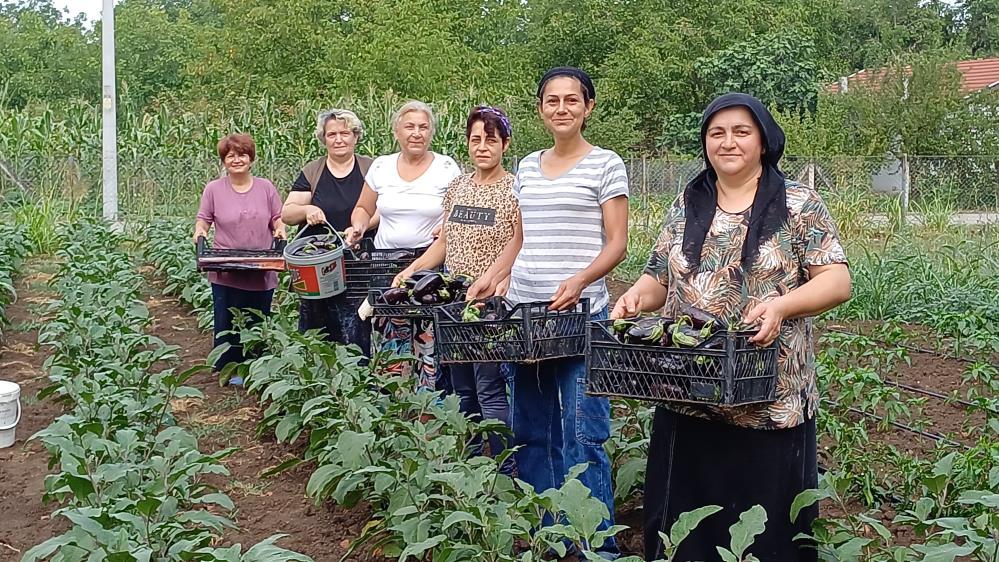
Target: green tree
44	56
982	26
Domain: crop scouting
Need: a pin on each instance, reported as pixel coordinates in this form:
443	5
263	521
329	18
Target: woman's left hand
770	316
280	232
568	293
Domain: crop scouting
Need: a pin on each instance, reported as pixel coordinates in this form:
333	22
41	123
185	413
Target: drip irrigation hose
934	436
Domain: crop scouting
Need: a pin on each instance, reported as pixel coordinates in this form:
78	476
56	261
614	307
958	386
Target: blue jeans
225	298
558	426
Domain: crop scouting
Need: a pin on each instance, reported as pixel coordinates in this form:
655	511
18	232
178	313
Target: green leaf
980	497
943	552
628	475
417	549
688	521
751	523
219	499
805	499
321	479
82	487
352	446
288	428
458	517
727	556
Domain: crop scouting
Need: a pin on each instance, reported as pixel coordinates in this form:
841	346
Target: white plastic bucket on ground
316	277
10	412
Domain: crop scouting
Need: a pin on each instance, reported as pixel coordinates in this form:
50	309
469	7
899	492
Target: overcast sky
92	8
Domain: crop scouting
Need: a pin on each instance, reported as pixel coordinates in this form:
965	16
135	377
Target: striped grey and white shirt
563	224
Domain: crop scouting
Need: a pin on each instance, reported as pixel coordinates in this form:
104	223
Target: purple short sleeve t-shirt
243	221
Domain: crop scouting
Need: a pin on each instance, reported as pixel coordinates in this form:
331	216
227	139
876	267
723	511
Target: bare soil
23	467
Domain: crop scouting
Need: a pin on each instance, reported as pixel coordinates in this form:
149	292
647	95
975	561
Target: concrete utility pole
109	136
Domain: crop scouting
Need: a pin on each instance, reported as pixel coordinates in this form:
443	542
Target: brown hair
494	121
240	143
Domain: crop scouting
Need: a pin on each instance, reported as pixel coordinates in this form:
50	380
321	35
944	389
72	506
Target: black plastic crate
407	310
736	372
523	333
366	268
215	259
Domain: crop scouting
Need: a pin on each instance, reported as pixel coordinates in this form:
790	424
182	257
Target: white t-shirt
409	209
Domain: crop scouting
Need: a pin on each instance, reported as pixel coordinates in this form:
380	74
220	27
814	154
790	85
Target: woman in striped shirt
573	201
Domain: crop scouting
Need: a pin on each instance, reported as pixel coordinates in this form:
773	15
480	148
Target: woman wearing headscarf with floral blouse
745	244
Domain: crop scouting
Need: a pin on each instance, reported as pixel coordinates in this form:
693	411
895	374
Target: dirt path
227	417
23	468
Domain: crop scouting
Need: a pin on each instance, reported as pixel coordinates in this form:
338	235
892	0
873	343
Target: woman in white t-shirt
407	188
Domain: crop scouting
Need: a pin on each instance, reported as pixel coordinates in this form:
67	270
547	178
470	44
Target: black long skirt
695	462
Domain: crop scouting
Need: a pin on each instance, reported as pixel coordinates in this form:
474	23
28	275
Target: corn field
166	157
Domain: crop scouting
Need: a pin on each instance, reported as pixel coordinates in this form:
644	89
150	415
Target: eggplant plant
131	482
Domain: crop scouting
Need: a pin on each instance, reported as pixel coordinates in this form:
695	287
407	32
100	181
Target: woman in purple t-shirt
246	212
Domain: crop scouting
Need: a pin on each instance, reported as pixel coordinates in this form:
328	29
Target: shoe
236	381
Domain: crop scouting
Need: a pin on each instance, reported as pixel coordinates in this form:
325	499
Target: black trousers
225	298
337	318
695	462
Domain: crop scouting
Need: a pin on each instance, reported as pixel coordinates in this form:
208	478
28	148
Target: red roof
976	75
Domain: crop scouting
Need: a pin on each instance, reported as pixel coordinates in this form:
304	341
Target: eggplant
396	255
418	275
428	285
460	283
432	298
395	296
683	335
699	319
647	331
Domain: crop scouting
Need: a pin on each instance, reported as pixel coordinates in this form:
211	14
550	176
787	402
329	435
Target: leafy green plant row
14	247
130	480
166	246
406	454
944	499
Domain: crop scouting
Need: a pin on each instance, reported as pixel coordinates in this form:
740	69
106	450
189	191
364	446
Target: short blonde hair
414	105
347	116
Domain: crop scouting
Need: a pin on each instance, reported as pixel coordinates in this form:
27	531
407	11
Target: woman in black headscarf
745	244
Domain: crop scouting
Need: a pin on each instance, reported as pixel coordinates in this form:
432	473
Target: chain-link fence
850	184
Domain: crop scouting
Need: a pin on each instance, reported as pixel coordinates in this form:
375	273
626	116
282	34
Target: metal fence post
906	186
109	130
811	173
645	190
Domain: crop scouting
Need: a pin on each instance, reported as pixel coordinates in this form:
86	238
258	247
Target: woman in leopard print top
480	219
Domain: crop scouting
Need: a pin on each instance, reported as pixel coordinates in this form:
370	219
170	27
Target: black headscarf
769	211
572	72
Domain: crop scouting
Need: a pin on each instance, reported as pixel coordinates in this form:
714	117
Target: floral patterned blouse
719	286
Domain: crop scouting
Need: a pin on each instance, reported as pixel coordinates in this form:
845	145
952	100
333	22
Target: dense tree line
656	63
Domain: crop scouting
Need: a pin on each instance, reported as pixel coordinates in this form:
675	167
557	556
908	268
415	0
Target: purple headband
504	121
